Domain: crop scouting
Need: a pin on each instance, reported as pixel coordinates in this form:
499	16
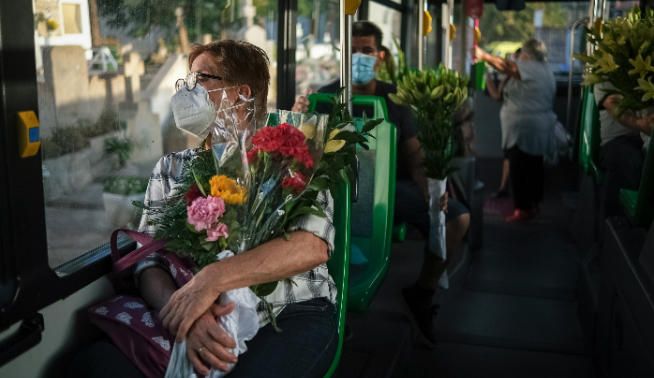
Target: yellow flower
309	130
641	66
333	144
606	64
648	87
227	189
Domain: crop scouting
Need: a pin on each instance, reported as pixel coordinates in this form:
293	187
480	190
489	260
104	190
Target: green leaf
370	125
264	289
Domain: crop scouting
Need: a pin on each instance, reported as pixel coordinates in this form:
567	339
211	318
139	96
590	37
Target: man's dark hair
366	29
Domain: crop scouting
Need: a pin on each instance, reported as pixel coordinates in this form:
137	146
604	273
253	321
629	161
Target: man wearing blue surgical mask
411	187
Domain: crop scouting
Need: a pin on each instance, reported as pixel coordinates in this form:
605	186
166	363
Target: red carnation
295	182
284	140
192	193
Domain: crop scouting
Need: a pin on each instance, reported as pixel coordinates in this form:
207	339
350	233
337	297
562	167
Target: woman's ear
245	90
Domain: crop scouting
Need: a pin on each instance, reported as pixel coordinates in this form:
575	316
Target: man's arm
627	119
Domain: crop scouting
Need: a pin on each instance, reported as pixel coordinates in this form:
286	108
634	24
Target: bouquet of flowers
251	186
434	95
623	56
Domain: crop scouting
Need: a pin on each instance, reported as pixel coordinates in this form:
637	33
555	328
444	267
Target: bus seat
639	204
339	263
589	136
372	228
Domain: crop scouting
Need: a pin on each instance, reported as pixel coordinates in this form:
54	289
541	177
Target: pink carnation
217	231
205	212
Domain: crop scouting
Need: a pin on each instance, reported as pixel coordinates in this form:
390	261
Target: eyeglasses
193	78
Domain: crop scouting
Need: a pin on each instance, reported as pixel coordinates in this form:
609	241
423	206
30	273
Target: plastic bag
242	325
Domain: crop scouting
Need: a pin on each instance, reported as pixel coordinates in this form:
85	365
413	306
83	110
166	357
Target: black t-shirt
400	116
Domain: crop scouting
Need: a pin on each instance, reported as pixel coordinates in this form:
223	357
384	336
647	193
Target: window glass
105	79
389	21
317	55
72	18
503	32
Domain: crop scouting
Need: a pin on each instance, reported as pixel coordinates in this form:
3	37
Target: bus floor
510	311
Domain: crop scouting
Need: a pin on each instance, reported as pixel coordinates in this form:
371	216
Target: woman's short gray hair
535	49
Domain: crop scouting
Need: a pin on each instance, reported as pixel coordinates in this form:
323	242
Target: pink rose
205	212
217	231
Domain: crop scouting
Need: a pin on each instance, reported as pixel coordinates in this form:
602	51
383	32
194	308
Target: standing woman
527	120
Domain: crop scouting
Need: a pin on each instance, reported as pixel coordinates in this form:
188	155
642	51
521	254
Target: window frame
27	282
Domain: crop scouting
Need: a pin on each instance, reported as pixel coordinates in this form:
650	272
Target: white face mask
193	111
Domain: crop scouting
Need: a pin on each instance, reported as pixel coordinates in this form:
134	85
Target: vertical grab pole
346	17
447	23
573	29
421	35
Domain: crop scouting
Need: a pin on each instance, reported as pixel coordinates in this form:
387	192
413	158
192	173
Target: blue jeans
304	348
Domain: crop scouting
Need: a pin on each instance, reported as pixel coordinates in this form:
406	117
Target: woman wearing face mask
527	121
226	74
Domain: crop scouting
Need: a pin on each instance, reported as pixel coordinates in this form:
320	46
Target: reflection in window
317	55
389	21
503	32
105	79
72	18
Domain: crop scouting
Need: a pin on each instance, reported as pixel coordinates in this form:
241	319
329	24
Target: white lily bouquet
624	49
434	95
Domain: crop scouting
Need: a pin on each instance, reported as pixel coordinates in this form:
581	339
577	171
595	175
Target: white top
527	116
610	128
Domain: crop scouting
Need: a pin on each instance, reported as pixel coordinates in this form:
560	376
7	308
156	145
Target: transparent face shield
232	130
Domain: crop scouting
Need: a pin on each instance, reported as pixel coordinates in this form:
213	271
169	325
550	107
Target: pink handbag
132	326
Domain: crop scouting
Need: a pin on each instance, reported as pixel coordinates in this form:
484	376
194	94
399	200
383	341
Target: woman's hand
478	54
301	104
208	344
188	303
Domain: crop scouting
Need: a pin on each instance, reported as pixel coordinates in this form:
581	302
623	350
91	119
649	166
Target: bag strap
148	246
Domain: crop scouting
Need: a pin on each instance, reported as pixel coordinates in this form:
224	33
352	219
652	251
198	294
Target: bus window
389	21
503	32
105	77
317	55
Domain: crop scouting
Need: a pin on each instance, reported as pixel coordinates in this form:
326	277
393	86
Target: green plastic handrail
339	263
377	246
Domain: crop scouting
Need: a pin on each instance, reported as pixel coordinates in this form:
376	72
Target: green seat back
372	228
639	205
589	135
339	263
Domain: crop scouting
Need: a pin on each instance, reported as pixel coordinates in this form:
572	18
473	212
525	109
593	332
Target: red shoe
519	215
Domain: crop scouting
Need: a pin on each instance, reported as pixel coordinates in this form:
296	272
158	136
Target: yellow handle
426	23
29	139
477	36
351	7
452	32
